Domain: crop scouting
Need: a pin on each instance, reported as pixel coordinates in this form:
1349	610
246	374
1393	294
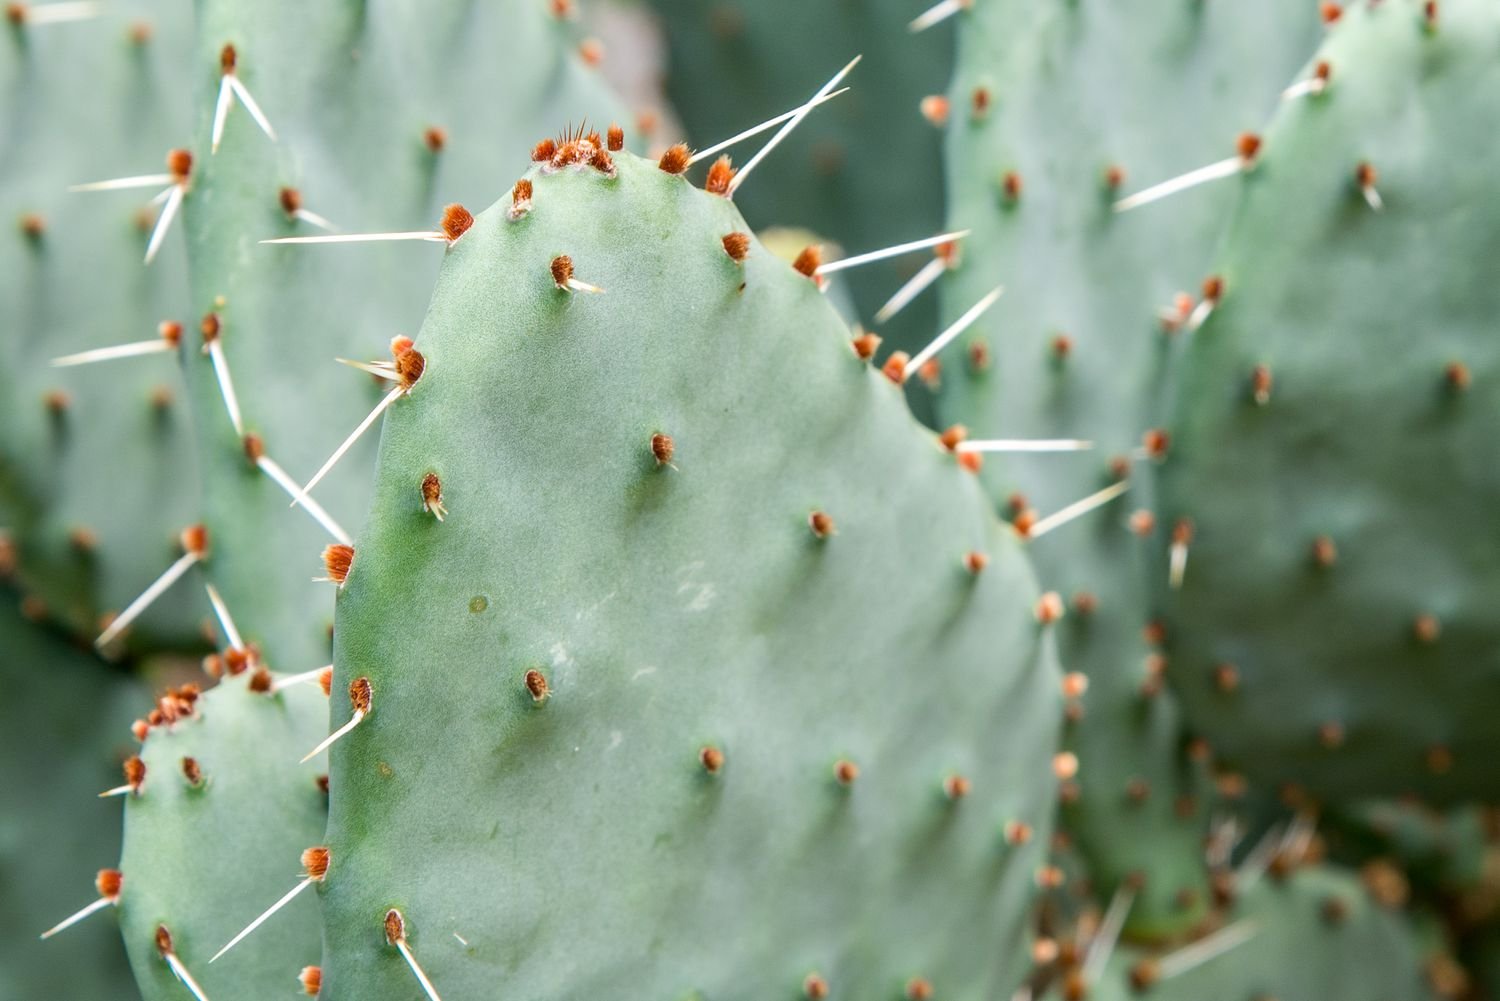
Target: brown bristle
814	987
194	540
170	331
712	759
1247	146
1017	833
543	151
675	159
325	680
315	863
821	524
1010	186
108	883
410	364
432	494
33	225
337	558
979	102
1114	177
1062	346
208	327
536	684
1023	522
1227	678
261	681
360	694
979	355
311	979
435	137
135	772
1142	522
562	270
456	221
808	262
865	346
931	373
1213	289
322	783
971	461
737	246
1323	70
845	771
236	661
1330	12
956	787
400	344
228	58
255	447
1049	608
179	164
395	927
975	561
1456	374
521	192
601	161
935	109
1182	532
291	200
1426	629
591	51
1156	442
616	138
663	448
1365	175
895	367
953	436
192	772
719	176
163	940
918	989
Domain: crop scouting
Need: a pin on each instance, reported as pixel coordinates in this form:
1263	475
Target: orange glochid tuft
456	221
675	159
719	176
337	559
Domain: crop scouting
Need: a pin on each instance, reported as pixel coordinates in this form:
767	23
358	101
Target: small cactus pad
213	837
1057	110
1344	560
700	747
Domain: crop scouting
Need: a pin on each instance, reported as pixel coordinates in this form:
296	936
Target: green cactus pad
1343	561
95	492
741	774
204	859
64	721
353	94
1046	99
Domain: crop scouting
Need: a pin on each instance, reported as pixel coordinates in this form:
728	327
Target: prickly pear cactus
1334	417
1055	113
376	125
1317	933
733	64
63	730
618	595
71	279
213	835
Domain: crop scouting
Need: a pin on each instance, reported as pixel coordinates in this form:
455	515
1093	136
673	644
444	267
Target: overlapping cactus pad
1336	626
649	647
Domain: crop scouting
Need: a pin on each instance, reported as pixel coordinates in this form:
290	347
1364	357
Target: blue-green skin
350	89
1156	89
64	728
673	607
204	861
1298	952
1357	314
864	169
84	102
